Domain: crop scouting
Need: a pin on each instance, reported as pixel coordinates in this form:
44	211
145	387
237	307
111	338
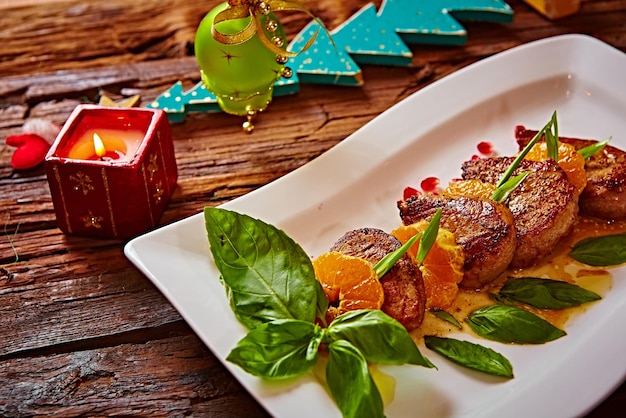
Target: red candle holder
116	185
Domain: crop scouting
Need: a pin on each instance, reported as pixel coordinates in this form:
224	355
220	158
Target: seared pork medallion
605	194
405	298
483	228
544	205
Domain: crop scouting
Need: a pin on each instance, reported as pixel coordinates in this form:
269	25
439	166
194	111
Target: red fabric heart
31	150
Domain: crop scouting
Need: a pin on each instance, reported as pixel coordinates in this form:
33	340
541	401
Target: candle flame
99	145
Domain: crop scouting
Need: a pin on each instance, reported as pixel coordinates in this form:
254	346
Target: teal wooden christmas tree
326	61
437	21
368	37
369	40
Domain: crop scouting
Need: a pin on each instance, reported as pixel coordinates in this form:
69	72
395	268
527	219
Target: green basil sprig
470	355
278	350
273	290
355	339
351	383
546	293
608	250
381	339
287	348
446	316
509	324
262	269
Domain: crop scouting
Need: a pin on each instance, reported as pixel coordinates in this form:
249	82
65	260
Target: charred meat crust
544	206
405	298
484	230
605	194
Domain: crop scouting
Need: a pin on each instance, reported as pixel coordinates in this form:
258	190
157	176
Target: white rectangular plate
357	184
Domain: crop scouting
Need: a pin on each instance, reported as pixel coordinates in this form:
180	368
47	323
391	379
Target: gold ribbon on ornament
240	9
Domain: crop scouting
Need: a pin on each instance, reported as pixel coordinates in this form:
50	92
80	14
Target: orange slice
442	269
349	282
570	161
475	189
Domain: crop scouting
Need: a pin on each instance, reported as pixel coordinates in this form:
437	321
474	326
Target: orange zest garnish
349	283
570	160
442	269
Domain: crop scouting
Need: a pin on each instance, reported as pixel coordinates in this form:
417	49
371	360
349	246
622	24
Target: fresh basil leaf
608	250
351	383
380	338
446	316
263	269
509	324
279	349
470	355
429	237
590	150
516	162
497	298
502	193
546	293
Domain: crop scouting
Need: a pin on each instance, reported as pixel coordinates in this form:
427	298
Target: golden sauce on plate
557	266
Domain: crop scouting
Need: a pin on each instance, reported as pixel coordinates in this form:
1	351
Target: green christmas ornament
240	47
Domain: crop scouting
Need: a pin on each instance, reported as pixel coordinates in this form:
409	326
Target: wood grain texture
173	375
82	332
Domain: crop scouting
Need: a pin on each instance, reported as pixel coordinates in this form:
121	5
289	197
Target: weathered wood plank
75	36
173	376
61	294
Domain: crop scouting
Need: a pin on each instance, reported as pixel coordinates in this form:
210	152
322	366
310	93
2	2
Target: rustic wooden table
82	331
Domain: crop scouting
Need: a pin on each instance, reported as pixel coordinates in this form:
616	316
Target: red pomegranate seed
475	157
485	147
429	184
409	191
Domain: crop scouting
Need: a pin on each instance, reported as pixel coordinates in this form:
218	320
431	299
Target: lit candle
106	145
111	171
101	150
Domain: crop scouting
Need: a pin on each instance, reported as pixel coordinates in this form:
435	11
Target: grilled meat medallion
605	194
405	298
544	206
484	229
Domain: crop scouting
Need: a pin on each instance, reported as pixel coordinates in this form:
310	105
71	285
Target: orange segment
349	282
406	232
475	189
442	269
570	161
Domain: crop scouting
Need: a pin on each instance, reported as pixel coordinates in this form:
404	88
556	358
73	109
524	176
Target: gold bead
264	8
278	41
248	127
281	59
271	26
287	72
